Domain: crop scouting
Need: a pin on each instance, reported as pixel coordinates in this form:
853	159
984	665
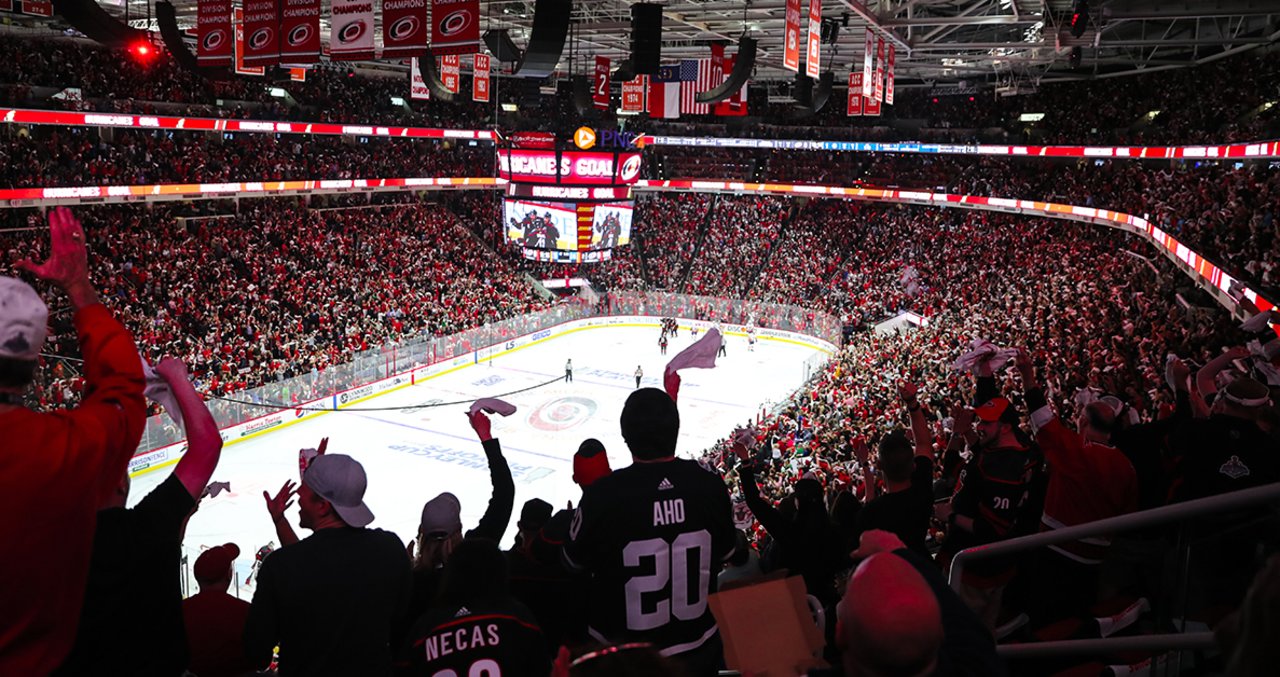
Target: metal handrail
1189	641
1137	520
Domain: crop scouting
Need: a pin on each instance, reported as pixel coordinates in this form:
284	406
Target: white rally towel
984	351
492	405
158	391
700	355
1258	323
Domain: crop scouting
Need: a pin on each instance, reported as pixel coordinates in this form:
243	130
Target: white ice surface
412	455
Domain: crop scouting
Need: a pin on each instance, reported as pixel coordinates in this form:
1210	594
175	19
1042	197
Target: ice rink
410	455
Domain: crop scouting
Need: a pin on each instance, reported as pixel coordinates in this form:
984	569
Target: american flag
696	76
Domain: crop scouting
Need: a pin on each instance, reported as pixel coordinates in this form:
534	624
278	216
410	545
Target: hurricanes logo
404	28
261	38
454	23
352	32
562	413
630	169
299	35
214	39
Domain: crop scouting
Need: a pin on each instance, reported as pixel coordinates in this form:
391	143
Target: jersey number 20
670	575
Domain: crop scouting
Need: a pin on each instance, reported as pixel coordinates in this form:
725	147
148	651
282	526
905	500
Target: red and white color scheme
576	167
455	27
451	71
877	85
300	31
417	86
37	7
600	84
480	78
868	63
6	5
664	99
214	34
404	28
812	64
791	37
261	33
707	77
351	30
241	68
855	94
871	107
633	95
735	105
888	77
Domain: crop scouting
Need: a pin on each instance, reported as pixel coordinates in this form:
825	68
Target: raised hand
1023	361
172	370
671	384
480	423
908	392
276	505
860	449
962	418
68	263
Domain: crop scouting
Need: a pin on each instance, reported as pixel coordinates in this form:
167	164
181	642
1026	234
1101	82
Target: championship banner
877	85
812	66
633	95
300	31
404	28
242	69
214	34
855	94
871	107
451	71
735	105
351	30
600	84
261	33
868	63
417	86
888	79
455	27
6	5
37	7
791	42
480	78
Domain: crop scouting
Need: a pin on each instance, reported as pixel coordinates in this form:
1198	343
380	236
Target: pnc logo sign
585	138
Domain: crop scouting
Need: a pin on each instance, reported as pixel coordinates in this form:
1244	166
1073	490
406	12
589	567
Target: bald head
890	623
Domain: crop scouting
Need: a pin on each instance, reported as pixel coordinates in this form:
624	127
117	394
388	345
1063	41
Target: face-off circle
404	28
352	32
562	413
455	22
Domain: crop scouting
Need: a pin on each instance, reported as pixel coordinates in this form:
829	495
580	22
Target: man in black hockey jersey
475	626
653	535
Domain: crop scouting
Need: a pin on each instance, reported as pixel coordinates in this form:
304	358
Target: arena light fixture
278	93
510	108
397	101
1031	117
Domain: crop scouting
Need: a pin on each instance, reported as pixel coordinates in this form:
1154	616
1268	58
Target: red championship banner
888	78
870	106
877	85
351	30
417	87
300	31
214	33
451	71
791	41
600	84
812	65
404	28
261	33
455	27
633	95
480	78
6	5
242	69
855	94
735	105
868	63
37	7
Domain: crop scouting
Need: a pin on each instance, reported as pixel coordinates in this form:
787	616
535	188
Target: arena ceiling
943	42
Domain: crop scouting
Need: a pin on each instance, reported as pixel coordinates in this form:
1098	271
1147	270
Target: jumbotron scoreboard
569	200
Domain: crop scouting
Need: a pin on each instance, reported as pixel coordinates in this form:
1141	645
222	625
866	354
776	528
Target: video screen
611	225
542	225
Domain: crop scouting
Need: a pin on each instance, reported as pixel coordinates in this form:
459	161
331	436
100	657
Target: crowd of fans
738	240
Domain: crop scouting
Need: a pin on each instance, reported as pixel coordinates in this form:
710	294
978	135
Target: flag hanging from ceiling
855	94
871	107
214	34
404	28
888	78
480	78
696	75
633	95
455	26
791	37
868	63
351	30
736	104
600	84
417	87
812	66
664	93
877	85
300	31
451	71
262	33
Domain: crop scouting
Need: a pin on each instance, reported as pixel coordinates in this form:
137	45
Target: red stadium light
142	50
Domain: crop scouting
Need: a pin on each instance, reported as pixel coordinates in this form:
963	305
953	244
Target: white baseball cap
341	481
24	320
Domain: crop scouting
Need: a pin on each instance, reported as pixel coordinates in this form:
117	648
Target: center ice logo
562	413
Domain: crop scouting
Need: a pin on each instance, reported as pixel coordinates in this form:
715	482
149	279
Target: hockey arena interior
450	338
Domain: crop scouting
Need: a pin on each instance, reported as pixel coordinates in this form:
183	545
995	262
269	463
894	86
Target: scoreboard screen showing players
611	225
542	225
